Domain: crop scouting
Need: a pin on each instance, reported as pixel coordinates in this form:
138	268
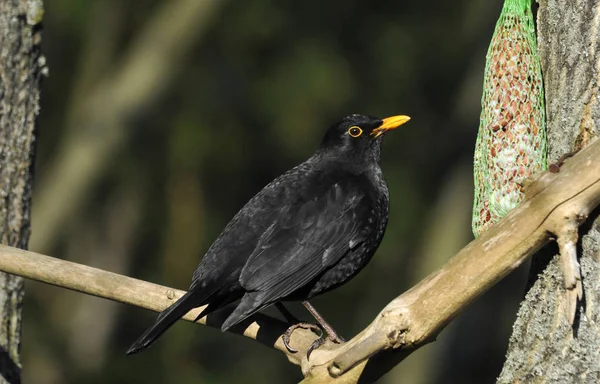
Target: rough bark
21	66
544	347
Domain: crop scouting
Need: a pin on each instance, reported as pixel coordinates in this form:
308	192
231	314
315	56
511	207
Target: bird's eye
355	131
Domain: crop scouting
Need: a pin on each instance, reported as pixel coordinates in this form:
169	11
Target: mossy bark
21	67
544	347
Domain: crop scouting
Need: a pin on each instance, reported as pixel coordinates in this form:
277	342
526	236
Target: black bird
308	231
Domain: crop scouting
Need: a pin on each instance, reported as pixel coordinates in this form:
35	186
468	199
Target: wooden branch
96	282
409	321
417	316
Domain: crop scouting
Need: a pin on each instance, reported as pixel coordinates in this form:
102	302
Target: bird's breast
359	254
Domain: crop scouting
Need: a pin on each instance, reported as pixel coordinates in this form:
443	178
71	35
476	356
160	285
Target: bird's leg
288	334
295	324
331	334
329	331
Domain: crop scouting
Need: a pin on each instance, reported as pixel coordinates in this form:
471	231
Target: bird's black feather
310	238
166	318
309	230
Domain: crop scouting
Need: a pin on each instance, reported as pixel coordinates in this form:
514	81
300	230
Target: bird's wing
309	237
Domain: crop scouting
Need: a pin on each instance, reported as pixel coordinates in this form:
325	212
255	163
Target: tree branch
405	324
139	293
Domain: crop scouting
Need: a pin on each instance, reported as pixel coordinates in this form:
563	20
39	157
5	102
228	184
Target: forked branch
556	203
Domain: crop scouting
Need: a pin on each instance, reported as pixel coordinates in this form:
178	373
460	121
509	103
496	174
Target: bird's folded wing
309	238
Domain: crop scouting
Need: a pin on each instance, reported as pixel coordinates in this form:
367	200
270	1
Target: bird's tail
249	305
166	318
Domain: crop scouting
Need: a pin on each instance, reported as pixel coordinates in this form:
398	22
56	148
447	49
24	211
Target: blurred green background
160	119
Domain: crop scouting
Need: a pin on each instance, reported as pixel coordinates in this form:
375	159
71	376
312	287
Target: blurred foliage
253	97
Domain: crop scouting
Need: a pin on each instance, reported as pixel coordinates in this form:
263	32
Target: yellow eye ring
355	131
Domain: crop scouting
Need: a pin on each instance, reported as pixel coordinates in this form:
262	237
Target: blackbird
308	231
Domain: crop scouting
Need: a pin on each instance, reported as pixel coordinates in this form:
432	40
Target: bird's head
359	137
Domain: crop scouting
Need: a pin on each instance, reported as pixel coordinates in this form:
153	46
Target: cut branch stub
388	331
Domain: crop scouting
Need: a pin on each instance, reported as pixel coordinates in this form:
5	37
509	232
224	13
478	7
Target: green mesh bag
511	143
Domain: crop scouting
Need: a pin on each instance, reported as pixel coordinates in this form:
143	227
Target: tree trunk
21	67
544	347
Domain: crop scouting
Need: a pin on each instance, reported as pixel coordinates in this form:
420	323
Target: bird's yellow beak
389	124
